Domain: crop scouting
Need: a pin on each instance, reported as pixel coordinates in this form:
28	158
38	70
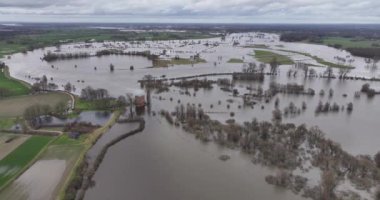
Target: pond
93	117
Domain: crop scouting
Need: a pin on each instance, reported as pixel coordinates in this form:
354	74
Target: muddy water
355	131
38	182
115	131
163	162
94	117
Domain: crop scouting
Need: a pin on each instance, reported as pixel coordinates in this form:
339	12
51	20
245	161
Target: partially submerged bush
377	159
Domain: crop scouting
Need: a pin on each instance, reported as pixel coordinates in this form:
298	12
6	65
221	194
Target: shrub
232	114
377	159
377	195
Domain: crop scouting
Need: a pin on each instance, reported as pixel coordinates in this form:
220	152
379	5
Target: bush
232	114
377	159
377	195
365	87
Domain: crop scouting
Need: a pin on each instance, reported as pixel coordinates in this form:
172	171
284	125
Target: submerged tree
112	67
377	159
328	184
68	87
273	65
329	72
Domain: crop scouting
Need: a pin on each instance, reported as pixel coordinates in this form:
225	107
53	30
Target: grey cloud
249	10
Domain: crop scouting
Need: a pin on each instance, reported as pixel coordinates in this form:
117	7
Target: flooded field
44	178
38	182
10	142
164	162
94	117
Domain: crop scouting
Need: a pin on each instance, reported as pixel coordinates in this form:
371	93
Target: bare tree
328	184
273	65
131	103
329	72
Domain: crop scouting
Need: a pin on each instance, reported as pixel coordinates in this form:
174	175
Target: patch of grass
64	139
235	60
15	106
7	123
177	61
268	56
11	86
17	160
320	60
259	46
82	104
345	43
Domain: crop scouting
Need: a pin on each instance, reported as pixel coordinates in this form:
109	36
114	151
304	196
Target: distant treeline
317	37
365	52
106	52
63	56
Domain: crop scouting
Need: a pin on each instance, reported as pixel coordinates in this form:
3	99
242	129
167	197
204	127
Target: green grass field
82	105
268	56
235	60
319	60
6	123
15	106
351	42
17	160
66	140
14	87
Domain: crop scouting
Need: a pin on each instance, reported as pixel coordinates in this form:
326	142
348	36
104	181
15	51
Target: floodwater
36	183
164	162
93	117
115	131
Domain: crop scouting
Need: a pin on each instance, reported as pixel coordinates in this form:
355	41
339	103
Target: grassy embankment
73	175
235	60
14	87
268	57
20	159
320	60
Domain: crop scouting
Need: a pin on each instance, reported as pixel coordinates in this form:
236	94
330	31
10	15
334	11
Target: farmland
15	106
10	86
268	56
15	162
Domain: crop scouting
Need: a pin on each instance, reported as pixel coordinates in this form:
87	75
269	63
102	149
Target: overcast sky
199	11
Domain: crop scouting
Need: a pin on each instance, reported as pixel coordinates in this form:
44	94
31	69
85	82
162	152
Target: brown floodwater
164	162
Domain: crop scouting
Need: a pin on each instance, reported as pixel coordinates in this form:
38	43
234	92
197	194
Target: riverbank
74	176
